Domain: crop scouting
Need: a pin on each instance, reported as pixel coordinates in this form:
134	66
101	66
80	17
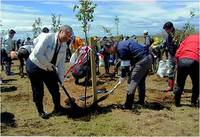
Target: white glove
121	80
50	67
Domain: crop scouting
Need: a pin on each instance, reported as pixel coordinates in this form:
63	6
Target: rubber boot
170	85
177	99
141	99
129	102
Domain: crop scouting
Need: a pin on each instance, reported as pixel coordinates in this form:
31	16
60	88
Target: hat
145	31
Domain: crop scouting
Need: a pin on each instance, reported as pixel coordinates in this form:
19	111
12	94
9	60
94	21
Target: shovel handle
114	88
60	83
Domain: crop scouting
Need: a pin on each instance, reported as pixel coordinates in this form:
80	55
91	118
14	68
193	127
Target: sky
135	16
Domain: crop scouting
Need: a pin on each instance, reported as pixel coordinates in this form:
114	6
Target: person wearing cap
7	47
156	52
171	47
147	39
187	56
48	55
138	58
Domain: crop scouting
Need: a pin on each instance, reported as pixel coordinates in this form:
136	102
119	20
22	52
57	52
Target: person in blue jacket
137	57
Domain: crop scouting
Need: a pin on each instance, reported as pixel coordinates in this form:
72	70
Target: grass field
159	117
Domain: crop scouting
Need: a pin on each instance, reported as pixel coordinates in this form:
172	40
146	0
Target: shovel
83	98
74	107
71	102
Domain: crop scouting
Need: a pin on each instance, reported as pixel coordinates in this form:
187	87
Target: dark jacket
130	50
147	41
170	44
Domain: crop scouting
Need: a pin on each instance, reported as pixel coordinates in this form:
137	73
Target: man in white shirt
48	53
6	50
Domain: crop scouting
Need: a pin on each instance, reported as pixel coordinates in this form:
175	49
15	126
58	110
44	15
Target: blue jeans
172	66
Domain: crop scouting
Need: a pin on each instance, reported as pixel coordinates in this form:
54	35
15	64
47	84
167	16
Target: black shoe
22	75
129	102
59	111
44	115
140	102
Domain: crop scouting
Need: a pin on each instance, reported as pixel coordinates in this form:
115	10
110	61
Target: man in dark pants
141	60
171	47
23	54
147	39
49	53
6	50
105	54
187	57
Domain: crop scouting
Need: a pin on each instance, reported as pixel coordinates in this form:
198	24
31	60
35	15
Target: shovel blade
101	99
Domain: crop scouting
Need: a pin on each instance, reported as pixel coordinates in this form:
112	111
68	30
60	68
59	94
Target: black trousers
6	60
37	78
188	67
106	63
22	55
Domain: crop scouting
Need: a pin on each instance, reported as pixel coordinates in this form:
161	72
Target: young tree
85	15
187	29
37	27
55	22
117	24
3	32
107	30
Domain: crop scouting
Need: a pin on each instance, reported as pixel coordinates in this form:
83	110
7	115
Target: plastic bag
74	58
162	69
101	61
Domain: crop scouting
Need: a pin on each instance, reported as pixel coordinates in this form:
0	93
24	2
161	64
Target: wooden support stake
93	68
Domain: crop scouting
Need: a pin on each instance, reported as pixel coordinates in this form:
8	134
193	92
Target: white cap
145	31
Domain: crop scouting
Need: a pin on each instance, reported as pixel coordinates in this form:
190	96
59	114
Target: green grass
172	121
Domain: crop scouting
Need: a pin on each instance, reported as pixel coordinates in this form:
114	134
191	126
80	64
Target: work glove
50	67
121	80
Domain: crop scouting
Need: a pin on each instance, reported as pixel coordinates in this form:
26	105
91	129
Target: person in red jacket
187	57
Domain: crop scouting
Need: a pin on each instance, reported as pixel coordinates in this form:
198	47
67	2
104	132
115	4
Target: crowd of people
46	55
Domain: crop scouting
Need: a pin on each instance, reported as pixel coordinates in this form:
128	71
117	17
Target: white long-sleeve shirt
8	44
43	52
38	37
